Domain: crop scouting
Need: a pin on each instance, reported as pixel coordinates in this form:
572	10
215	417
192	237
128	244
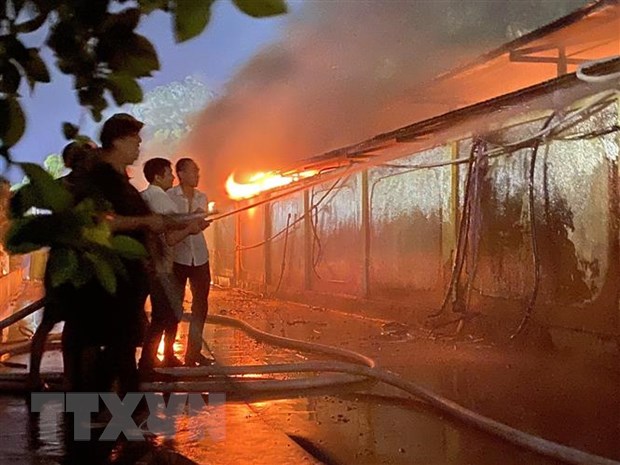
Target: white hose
281	341
359	368
596	79
508	433
22	313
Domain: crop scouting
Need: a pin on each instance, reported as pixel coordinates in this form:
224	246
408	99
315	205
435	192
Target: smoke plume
343	72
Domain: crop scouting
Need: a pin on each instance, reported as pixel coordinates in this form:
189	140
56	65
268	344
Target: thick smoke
344	72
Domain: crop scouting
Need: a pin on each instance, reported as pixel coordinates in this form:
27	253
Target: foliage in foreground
95	42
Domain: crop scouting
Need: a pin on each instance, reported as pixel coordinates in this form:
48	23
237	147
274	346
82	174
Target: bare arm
131	223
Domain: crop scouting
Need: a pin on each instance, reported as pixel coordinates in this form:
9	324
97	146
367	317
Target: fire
261	182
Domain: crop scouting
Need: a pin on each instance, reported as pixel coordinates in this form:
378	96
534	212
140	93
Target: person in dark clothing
77	156
114	322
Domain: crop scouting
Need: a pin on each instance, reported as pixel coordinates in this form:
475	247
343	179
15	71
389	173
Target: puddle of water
343	428
340	427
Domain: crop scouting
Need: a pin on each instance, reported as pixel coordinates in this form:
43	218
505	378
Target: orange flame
261	182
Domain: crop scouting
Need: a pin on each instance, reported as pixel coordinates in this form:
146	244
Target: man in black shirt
79	157
115	322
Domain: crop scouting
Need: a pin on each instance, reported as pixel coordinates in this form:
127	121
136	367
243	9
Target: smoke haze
341	74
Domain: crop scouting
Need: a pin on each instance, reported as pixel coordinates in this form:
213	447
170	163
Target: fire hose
357	368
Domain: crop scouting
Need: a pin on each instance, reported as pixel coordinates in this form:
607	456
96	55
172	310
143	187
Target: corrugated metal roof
493	88
528	65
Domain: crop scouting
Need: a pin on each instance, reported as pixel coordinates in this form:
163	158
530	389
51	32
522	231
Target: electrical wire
313	225
271	238
529	310
475	225
283	265
597	105
590	135
461	239
282	231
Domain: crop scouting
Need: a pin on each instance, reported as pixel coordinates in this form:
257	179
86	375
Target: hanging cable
475	224
271	238
590	135
283	266
316	240
598	104
282	231
313	225
534	237
461	240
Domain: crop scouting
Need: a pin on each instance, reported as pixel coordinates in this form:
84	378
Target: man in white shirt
166	296
191	257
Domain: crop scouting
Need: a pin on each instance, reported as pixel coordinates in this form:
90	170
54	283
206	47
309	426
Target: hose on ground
358	367
365	366
581	70
23	313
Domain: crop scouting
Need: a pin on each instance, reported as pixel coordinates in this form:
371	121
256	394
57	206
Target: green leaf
88	209
17	50
84	139
70	131
32	24
128	247
92	97
35	68
122	23
22	247
261	8
21	201
9	79
99	234
44	230
115	261
5	154
148	6
14	240
191	18
84	273
54	165
136	56
48	193
12	121
62	266
103	271
26	235
124	89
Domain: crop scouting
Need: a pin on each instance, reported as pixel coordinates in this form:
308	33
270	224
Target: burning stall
496	208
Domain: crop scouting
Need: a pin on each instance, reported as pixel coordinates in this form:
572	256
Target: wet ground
556	396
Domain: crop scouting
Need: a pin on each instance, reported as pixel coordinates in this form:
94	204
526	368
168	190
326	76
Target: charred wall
389	234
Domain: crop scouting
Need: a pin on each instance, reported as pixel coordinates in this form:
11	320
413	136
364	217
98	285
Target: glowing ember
261	182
